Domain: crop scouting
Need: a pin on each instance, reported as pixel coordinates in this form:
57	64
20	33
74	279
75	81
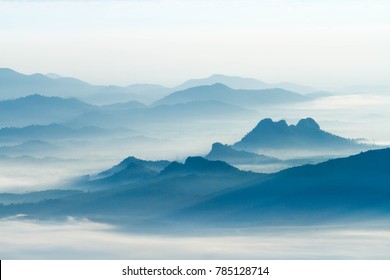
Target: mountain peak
305	134
308	123
232	156
198	165
270	124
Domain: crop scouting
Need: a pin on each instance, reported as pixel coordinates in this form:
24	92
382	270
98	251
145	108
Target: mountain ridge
306	134
241	97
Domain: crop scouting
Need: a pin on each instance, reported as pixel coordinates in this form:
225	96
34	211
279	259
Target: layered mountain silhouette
355	187
183	112
212	192
54	131
240	97
136	193
32	147
129	171
198	165
14	84
306	135
232	156
38	109
242	83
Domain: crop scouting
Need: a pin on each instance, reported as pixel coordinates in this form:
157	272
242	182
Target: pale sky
313	42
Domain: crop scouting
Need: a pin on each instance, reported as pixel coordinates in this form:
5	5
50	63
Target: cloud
83	239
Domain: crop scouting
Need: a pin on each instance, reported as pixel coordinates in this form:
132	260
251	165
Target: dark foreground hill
212	193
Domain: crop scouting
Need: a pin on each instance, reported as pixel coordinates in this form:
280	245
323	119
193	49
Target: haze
322	44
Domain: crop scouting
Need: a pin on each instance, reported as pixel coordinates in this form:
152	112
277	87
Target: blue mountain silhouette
38	109
223	93
242	83
14	84
213	193
306	134
232	156
356	187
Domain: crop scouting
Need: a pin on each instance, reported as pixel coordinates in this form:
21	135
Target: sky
324	44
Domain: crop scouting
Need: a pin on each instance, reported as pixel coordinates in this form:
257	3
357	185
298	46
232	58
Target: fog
333	42
358	116
83	239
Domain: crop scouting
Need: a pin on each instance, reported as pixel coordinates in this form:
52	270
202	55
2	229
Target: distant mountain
306	134
242	83
134	196
33	147
201	192
14	85
145	93
222	93
230	155
124	106
131	172
355	187
53	76
9	198
198	165
182	112
38	109
54	131
230	81
130	163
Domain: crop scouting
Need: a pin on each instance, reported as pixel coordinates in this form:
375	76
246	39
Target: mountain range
305	135
40	110
202	192
243	83
43	110
169	114
356	187
14	85
222	93
236	157
55	132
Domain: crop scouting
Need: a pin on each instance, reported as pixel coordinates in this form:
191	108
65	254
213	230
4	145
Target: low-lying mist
83	239
351	116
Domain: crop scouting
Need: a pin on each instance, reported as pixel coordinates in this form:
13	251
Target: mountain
129	172
212	193
356	187
14	85
54	131
33	147
38	109
144	93
123	106
230	81
53	76
222	93
242	83
9	198
182	112
124	198
305	135
195	165
230	155
156	166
